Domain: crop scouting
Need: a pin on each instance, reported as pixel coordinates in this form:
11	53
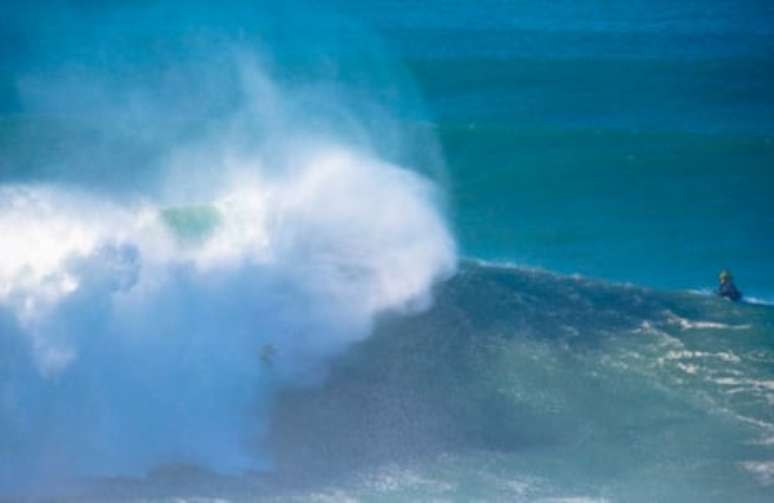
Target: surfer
727	289
266	353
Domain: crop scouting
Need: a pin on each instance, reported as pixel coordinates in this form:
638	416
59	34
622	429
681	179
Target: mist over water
169	209
227	271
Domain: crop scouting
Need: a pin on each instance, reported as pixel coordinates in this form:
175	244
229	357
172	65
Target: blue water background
632	141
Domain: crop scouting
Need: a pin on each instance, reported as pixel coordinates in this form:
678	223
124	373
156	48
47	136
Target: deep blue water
630	142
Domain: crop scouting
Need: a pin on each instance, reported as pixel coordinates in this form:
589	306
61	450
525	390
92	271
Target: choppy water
181	186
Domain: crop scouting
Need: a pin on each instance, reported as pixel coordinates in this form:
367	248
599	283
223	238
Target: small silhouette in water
727	289
266	354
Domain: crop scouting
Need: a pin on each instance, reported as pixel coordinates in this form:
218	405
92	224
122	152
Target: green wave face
568	386
192	224
524	386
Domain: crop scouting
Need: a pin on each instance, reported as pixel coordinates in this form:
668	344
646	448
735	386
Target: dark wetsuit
728	290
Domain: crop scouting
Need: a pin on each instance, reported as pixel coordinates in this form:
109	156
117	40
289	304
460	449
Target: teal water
522	386
597	165
652	167
632	144
664	210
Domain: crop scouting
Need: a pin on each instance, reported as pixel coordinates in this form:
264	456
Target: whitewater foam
686	324
763	471
725	356
303	262
135	320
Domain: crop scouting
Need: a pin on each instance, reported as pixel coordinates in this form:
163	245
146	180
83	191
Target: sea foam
135	324
145	338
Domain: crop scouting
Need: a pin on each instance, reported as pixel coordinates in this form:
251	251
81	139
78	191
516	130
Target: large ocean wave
226	271
520	385
140	327
202	235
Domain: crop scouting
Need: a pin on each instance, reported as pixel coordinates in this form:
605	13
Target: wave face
197	224
520	385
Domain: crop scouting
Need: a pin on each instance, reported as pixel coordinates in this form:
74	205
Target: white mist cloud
145	329
198	211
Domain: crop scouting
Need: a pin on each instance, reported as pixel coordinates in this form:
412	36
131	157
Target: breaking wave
222	236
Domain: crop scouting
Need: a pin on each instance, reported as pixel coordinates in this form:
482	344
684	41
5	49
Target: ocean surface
386	251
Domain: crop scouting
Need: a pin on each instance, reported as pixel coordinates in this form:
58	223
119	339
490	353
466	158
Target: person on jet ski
727	289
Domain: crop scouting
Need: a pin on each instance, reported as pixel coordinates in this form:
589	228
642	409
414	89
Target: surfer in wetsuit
727	289
266	353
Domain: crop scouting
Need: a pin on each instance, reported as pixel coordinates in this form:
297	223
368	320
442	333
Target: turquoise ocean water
597	165
628	142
